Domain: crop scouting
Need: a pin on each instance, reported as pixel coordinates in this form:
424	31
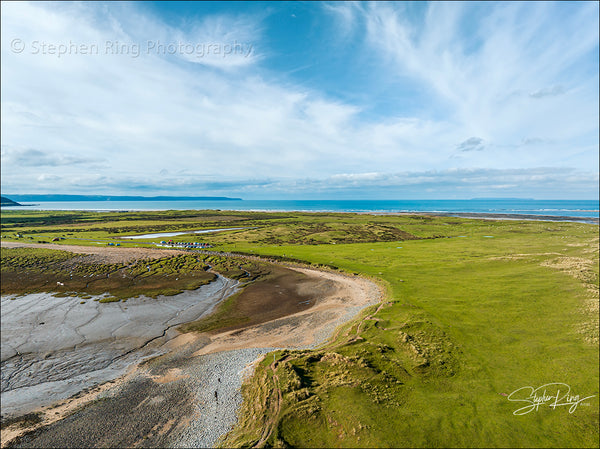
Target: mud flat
54	347
189	397
338	298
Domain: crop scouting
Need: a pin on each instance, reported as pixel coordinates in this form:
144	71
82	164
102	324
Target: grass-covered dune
475	310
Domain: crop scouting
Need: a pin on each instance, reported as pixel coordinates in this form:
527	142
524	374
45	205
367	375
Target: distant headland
8	202
58	197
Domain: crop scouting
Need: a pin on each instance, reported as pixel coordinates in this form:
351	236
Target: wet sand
190	395
54	347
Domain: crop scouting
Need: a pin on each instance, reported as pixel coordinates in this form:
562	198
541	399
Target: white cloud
109	115
29	157
345	14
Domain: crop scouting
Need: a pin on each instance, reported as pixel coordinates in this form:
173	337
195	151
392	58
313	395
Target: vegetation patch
33	270
469	319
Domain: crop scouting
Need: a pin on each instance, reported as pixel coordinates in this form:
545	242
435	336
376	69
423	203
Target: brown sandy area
337	296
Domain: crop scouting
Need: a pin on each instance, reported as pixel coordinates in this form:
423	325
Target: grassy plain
475	310
469	320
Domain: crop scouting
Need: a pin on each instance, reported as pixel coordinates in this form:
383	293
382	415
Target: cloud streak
548	92
471	144
540	182
36	158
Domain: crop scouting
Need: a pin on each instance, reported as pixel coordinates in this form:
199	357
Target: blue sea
564	208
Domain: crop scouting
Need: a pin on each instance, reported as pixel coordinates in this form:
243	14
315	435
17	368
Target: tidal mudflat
190	395
54	347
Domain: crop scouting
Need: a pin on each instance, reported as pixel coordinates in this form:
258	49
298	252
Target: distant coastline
61	198
556	210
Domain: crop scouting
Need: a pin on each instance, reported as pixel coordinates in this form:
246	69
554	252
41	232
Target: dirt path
104	254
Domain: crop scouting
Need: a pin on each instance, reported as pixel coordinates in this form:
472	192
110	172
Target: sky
301	100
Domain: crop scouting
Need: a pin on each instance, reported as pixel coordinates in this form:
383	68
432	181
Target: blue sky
298	100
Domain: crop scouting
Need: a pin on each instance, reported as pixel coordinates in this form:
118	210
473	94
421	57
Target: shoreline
543	215
82	344
492	216
185	376
472	215
502	216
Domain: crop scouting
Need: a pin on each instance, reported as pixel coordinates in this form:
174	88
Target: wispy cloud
474	57
111	96
548	92
345	14
539	182
35	158
471	144
532	141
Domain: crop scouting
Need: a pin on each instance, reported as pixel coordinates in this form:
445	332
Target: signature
553	395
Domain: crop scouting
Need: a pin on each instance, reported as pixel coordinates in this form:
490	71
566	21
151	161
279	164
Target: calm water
173	234
569	208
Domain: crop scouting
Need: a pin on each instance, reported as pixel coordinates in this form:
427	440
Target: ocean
564	208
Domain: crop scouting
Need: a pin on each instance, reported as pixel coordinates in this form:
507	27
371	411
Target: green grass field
470	321
475	310
499	306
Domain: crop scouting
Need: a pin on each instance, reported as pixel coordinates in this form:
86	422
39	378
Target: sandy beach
495	216
188	396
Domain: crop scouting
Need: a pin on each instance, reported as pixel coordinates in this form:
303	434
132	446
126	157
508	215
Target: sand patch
341	299
523	256
582	270
172	375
